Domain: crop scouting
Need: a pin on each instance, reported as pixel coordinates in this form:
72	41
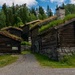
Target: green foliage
25	43
42	14
7	59
68	59
57	22
21	14
41	10
32	17
69	9
67	62
69	17
2	19
18	22
49	11
4	8
33	11
42	17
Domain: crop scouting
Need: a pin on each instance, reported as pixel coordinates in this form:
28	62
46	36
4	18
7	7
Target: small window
14	48
8	45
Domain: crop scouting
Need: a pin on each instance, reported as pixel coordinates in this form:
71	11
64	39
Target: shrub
68	59
25	43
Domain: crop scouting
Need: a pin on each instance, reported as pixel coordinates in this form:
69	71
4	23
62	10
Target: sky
37	3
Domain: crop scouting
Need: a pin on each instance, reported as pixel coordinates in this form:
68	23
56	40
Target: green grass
57	22
7	59
26	52
68	62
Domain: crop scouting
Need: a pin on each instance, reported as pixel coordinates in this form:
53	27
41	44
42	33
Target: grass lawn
7	59
68	62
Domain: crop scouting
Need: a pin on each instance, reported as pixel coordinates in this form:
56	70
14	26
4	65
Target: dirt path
27	65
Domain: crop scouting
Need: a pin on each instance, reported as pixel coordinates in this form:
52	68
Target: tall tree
13	8
49	11
42	14
41	10
32	17
33	11
69	9
63	5
24	13
2	19
4	8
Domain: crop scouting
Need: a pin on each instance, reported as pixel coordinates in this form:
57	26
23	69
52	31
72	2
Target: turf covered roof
11	27
11	36
43	22
58	23
35	21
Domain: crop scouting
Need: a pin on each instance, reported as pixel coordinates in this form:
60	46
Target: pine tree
4	8
42	14
2	19
49	11
33	11
41	10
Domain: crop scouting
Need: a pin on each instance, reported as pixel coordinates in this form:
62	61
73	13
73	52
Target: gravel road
28	65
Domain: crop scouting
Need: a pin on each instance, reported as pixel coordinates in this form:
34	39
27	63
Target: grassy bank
7	59
68	62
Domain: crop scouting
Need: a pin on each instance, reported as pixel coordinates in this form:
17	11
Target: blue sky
52	3
36	3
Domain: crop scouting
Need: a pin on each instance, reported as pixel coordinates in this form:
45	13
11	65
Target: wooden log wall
49	45
67	40
67	36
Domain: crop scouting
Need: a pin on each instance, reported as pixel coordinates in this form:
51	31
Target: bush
68	59
25	43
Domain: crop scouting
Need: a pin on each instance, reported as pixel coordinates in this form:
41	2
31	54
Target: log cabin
58	41
34	30
9	43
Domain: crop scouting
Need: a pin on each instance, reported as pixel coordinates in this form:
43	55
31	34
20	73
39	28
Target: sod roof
56	24
11	36
11	27
43	22
32	22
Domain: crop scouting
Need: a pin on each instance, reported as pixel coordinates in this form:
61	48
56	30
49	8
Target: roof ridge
7	34
5	28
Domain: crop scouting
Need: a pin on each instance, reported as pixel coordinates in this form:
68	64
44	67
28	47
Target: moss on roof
9	27
7	34
45	21
31	23
57	22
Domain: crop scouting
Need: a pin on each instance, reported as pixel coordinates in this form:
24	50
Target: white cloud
72	1
59	2
28	2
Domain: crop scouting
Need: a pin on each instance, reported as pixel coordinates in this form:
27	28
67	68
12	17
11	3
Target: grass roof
9	27
35	21
57	22
7	34
43	22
